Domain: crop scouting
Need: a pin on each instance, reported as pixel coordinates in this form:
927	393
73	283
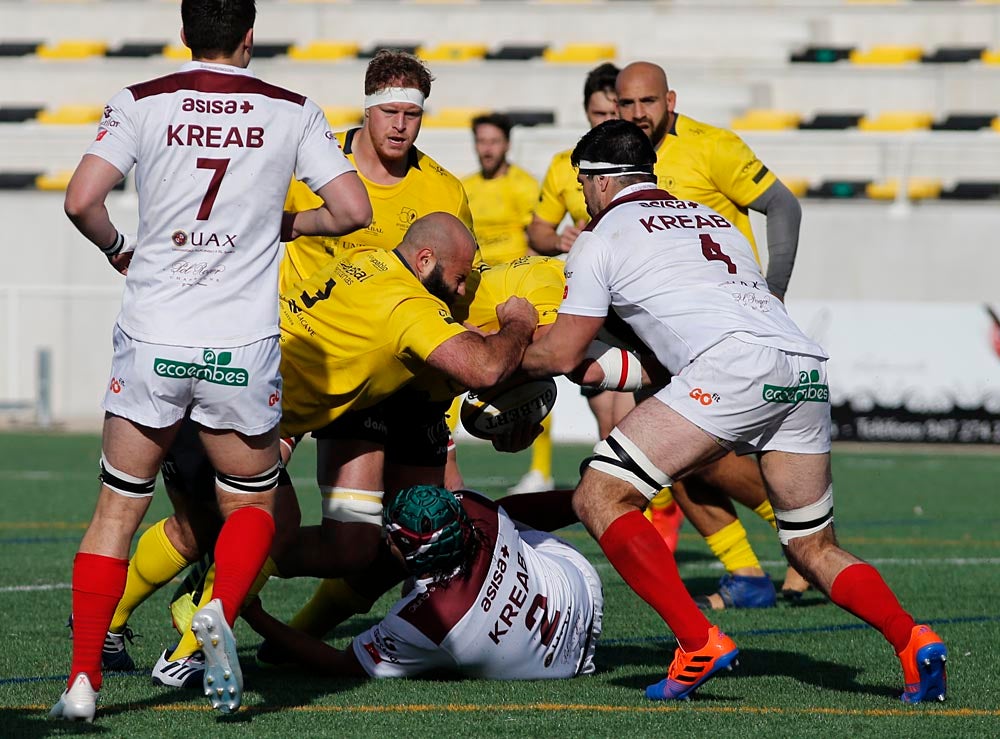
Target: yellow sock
188	644
662	499
541	449
454	413
765	511
732	547
269	570
333	602
154	563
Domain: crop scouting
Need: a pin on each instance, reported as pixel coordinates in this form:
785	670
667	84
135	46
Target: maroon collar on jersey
647	193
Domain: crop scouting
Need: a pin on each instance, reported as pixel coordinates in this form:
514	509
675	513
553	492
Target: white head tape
395	95
613	170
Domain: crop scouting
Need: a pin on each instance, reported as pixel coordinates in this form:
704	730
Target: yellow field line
932	710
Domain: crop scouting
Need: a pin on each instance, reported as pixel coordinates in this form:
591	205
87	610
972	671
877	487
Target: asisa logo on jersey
225	107
215	369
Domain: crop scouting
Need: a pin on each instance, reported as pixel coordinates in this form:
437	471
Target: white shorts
572	561
235	388
755	398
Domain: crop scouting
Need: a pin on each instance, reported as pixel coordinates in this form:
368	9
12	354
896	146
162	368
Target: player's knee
124	484
619	457
797	528
262	482
350	505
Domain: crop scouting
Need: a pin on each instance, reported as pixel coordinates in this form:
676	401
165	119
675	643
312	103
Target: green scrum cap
429	527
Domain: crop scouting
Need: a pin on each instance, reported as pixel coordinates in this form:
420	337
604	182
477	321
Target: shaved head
440	250
645	99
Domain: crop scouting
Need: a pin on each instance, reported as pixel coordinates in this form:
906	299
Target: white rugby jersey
524	611
214	150
680	275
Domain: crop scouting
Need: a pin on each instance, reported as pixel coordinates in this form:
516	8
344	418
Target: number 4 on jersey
713	252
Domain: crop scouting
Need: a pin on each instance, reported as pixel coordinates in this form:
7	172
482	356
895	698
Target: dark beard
657	135
436	286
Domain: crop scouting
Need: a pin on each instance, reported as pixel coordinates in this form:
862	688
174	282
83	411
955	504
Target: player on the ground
501	194
213	148
745	378
470	558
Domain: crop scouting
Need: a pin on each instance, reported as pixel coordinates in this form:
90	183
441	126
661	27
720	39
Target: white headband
613	170
395	95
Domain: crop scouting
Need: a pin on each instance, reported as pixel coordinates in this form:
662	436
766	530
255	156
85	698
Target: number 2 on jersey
218	167
713	252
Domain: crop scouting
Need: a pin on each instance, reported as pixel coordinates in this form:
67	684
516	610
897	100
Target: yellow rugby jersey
539	280
427	188
352	334
714	167
501	209
561	193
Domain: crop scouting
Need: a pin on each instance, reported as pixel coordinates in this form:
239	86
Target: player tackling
745	378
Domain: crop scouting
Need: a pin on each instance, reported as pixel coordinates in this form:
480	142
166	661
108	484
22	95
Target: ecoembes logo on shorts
215	369
809	390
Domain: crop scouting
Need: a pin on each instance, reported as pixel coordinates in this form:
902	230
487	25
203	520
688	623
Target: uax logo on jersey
703	397
215	369
809	390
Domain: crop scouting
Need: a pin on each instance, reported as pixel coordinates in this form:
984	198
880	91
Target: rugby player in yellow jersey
561	195
695	161
403	183
501	194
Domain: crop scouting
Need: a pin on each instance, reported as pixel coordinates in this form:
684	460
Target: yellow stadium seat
70	115
72	49
323	51
995	125
53	180
797	185
990	56
917	188
452	52
581	53
766	120
898	120
452	117
177	52
888	54
339	116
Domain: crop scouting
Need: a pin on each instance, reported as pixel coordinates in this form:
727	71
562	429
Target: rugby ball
489	414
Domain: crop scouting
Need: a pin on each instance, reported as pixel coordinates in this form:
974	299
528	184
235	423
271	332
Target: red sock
642	558
240	552
98	585
860	590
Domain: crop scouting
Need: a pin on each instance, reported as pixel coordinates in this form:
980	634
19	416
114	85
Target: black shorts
411	427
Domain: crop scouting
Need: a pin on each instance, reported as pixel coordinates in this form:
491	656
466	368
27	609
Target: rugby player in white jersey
214	150
745	378
493	597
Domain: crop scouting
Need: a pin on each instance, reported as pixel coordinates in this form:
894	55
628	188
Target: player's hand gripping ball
498	411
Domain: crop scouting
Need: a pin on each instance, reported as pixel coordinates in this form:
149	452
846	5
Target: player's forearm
547	511
502	353
542	237
94	223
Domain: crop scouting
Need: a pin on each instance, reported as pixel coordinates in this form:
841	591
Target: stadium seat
323	51
19	113
917	188
972	191
831	121
141	50
766	120
177	52
888	54
519	52
452	52
580	53
18	180
54	181
75	49
531	117
838	189
990	56
822	54
408	47
953	55
964	122
71	115
342	116
452	117
271	50
19	48
898	120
